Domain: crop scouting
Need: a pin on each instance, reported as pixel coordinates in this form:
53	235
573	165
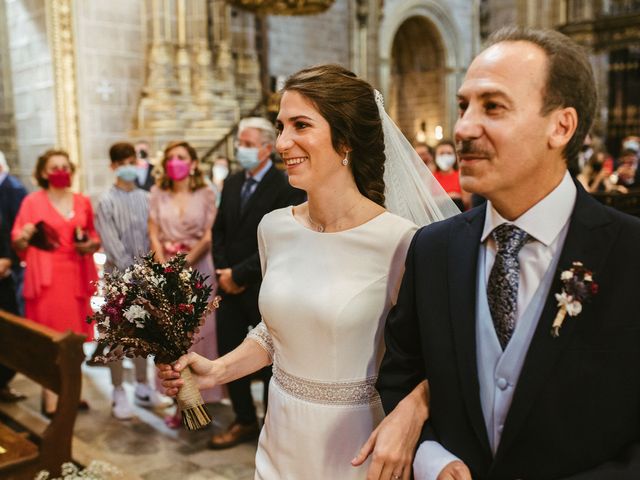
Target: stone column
183	60
60	24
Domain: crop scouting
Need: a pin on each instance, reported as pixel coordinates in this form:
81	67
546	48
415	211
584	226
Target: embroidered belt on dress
362	392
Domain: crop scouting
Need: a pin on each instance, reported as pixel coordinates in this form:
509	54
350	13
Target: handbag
45	237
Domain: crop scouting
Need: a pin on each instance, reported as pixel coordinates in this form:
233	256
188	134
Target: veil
411	190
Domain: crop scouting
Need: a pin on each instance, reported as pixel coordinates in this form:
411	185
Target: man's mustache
470	147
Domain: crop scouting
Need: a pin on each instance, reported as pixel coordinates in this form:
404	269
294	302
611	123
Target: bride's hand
393	443
203	372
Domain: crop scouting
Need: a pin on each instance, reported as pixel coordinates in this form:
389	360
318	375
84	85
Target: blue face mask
247	157
127	173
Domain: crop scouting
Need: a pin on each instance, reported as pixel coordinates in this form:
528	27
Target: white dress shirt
547	222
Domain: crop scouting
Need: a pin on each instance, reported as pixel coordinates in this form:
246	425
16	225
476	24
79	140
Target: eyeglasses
237	144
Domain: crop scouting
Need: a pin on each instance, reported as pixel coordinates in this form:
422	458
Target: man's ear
562	127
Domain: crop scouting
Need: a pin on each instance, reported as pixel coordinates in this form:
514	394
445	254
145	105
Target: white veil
411	190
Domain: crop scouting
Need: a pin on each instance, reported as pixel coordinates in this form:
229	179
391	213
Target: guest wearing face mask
181	215
122	217
54	233
219	172
447	174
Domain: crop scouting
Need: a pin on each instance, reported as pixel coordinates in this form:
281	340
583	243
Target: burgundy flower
168	270
198	286
594	288
185	308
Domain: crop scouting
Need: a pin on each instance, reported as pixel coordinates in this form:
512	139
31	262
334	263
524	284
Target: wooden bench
53	360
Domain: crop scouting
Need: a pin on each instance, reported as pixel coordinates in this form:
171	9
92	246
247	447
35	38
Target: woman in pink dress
182	210
54	234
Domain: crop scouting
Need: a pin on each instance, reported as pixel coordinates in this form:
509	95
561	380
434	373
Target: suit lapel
464	245
588	240
232	188
261	188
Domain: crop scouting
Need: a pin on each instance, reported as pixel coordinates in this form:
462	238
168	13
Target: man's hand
5	267
455	471
225	280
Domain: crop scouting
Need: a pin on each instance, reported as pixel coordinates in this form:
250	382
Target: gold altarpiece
189	92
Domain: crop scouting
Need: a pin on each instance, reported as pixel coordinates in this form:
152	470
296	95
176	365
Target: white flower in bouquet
156	281
136	314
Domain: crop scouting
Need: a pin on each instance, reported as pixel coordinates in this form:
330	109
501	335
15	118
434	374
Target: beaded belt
361	392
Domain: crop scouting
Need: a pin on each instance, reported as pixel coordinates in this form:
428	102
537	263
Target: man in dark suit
8	303
246	197
508	399
12	192
145	179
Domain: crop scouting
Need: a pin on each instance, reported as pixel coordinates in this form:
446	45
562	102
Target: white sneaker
147	397
121	408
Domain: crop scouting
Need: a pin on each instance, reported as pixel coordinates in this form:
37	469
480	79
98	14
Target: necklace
317	227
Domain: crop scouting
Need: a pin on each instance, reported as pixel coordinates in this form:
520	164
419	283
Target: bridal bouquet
157	309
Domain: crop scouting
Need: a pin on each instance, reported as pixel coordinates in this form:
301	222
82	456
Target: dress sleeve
262	249
22	218
398	263
154	204
210	208
260	334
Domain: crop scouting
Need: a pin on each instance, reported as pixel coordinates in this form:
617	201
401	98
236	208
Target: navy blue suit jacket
576	409
12	193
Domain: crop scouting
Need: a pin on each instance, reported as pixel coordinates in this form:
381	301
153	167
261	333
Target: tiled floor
144	447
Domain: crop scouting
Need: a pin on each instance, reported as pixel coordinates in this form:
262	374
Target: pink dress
179	233
58	284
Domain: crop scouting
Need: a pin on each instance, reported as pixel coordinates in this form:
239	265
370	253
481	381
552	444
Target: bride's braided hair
348	104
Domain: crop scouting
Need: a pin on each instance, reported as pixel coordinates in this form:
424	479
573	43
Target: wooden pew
53	360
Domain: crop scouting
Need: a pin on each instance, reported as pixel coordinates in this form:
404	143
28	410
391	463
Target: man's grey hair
266	128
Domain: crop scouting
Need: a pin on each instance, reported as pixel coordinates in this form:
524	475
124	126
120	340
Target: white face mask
220	172
247	157
631	145
445	161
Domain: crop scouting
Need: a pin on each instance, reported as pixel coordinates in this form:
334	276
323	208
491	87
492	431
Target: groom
475	310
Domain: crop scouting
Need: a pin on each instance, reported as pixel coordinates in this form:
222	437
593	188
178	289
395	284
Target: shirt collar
545	219
3	176
261	173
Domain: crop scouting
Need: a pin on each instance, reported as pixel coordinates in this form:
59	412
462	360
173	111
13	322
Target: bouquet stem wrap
190	403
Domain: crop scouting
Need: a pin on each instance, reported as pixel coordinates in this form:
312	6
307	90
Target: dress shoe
235	434
9	395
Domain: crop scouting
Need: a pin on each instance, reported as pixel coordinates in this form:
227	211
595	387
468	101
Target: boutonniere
577	288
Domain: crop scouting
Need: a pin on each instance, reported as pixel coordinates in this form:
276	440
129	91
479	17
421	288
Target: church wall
7	127
298	42
456	24
32	81
110	45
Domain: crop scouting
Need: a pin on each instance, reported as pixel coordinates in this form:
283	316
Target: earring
345	160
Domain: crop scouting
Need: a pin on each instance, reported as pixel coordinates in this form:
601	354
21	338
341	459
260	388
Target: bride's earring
345	160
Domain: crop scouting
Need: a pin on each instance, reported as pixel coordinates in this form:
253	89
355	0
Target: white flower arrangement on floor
96	470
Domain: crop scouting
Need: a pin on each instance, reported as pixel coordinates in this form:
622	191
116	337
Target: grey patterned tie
502	290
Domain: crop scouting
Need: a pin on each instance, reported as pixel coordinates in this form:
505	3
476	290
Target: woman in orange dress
54	234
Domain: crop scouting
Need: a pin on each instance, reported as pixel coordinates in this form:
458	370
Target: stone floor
144	448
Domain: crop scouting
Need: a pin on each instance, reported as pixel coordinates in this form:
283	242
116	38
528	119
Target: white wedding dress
324	301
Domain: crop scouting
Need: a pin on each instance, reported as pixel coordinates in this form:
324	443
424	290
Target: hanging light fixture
283	7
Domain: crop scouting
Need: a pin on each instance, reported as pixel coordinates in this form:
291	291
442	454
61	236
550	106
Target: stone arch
400	23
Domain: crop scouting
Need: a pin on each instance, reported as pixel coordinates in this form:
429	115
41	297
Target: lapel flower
577	287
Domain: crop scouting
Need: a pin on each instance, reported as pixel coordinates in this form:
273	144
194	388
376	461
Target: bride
331	272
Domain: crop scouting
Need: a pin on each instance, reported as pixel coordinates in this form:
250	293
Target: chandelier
283	7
